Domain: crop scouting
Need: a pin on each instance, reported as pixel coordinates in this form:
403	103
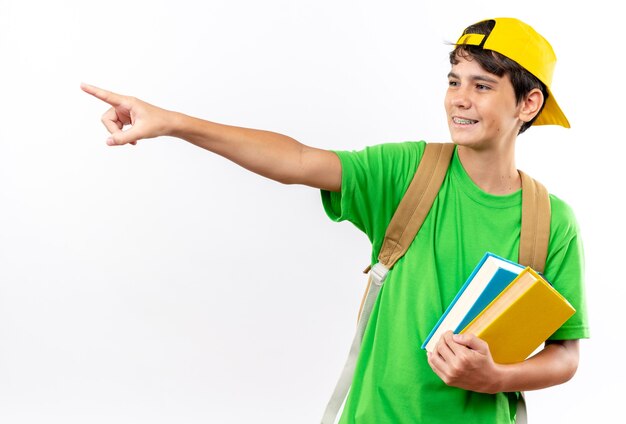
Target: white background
162	284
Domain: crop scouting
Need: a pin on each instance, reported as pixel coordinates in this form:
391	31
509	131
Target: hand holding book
513	318
464	361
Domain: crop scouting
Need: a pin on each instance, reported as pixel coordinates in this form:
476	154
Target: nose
459	97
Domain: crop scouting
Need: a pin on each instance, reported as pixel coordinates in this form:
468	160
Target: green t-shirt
393	382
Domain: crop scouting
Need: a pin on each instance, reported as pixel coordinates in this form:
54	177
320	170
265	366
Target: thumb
472	342
120	138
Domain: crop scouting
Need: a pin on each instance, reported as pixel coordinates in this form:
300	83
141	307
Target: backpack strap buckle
379	273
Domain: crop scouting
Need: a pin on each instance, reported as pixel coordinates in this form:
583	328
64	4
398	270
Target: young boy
499	85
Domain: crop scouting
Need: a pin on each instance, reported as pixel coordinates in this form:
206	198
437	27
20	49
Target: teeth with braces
464	121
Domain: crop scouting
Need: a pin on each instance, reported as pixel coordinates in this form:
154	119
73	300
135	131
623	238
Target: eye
452	83
483	87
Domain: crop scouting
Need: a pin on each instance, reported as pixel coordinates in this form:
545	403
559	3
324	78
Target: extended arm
465	361
272	155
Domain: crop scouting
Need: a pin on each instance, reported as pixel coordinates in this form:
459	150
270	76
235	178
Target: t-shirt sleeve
565	270
373	181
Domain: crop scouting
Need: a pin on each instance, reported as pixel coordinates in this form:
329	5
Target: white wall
162	284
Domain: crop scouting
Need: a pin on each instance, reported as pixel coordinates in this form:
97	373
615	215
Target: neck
493	171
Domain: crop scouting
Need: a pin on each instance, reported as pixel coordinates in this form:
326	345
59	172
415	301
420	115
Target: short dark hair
522	80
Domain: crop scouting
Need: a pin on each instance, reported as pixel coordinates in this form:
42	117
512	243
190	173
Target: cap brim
552	114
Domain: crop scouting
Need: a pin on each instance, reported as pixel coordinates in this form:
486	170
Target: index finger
106	96
471	341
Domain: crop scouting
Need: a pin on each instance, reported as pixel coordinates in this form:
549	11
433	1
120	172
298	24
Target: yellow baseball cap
521	43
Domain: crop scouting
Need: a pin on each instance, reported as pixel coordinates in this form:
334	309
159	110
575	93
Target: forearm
275	156
555	364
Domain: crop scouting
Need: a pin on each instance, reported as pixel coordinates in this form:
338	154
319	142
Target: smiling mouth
463	121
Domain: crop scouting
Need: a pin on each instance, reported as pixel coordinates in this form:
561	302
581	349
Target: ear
531	105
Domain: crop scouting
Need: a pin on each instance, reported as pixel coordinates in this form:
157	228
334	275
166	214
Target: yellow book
522	317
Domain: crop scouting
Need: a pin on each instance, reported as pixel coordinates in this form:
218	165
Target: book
523	316
482	286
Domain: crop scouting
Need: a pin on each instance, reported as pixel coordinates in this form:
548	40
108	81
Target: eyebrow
475	78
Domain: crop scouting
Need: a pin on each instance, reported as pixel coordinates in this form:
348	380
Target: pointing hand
145	120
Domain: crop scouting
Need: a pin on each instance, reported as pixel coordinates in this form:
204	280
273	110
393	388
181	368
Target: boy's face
481	107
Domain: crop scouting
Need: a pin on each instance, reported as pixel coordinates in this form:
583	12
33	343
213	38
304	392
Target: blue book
469	294
500	280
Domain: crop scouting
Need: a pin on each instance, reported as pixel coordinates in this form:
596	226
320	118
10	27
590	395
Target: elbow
285	180
569	358
570	369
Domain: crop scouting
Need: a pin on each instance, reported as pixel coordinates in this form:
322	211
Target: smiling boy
499	85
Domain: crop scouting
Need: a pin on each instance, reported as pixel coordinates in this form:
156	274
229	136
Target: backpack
402	229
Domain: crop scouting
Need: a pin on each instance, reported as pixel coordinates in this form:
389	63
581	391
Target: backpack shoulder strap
533	244
401	231
412	209
535	233
416	203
